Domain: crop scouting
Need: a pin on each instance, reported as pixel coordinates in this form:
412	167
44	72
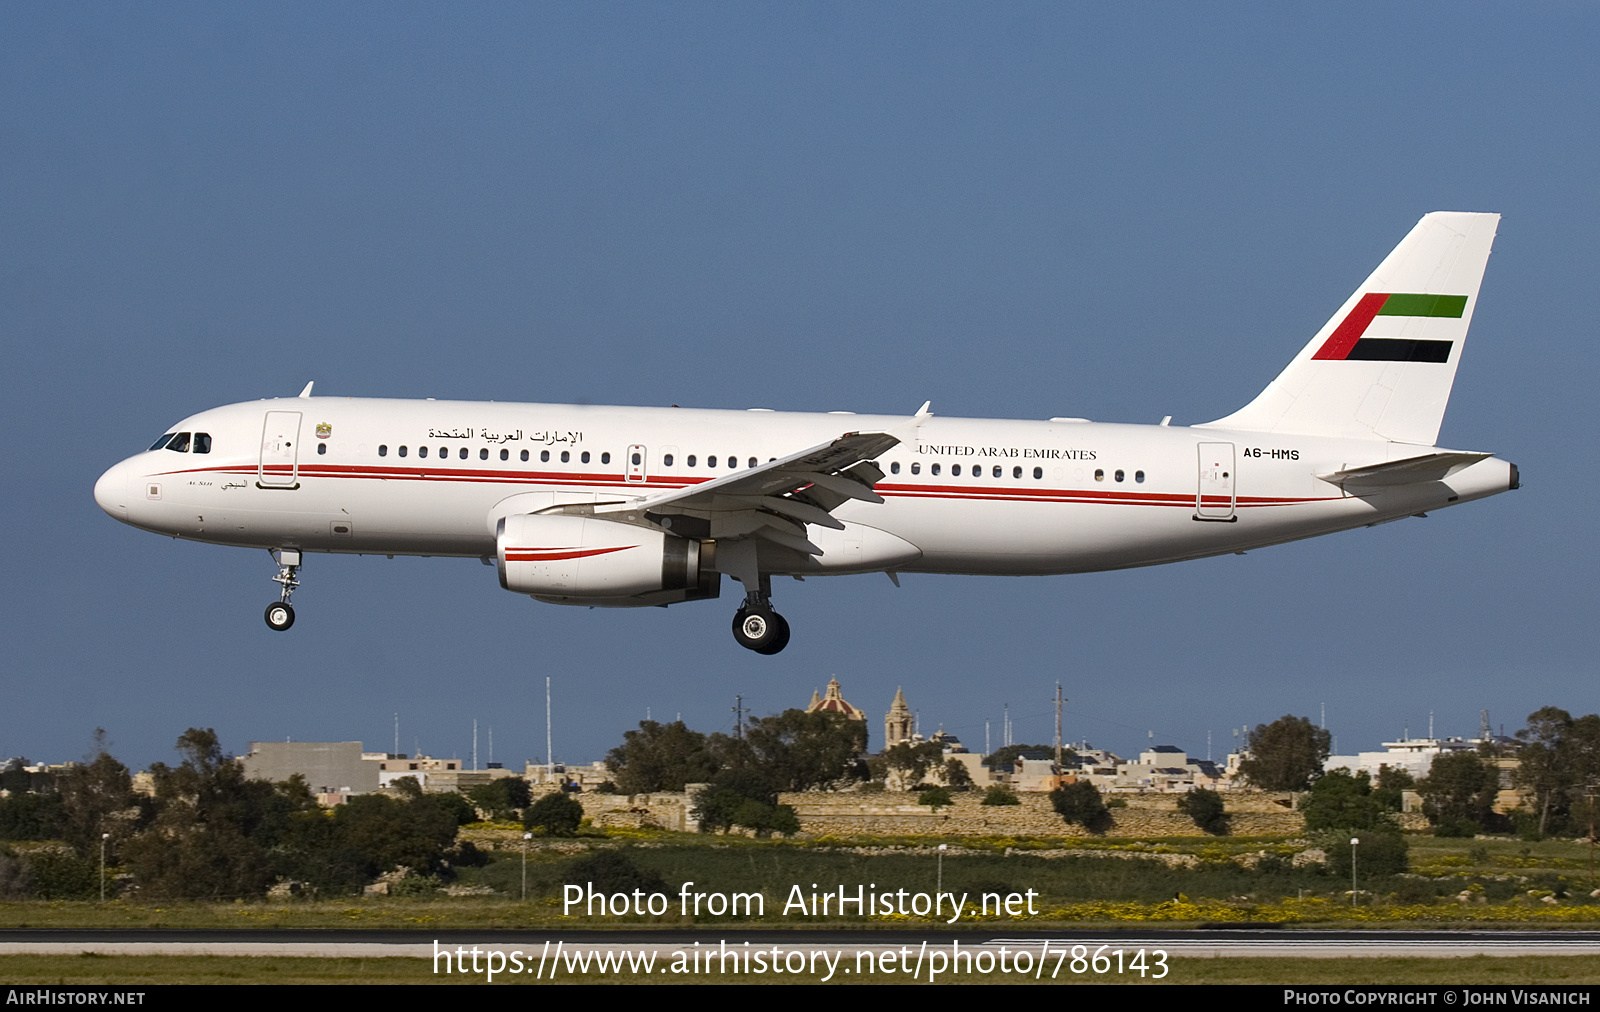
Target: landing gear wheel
761	630
280	616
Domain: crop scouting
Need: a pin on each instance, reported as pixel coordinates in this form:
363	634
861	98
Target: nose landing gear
280	615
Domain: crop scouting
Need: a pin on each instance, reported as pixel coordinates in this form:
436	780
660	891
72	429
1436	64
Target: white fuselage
975	496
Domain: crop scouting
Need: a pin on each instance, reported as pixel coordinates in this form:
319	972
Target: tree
956	775
1286	755
1344	801
660	757
743	797
1080	802
1392	783
1006	757
803	751
906	764
1206	808
502	799
935	798
558	814
1540	769
1458	793
97	797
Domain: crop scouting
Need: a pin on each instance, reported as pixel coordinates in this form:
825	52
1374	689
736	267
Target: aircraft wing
1428	467
776	500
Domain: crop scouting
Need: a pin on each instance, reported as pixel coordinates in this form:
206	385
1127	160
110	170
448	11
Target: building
329	767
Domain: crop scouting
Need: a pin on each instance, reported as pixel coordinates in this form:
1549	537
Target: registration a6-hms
633	507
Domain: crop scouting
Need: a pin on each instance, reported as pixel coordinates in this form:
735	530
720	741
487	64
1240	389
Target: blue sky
1016	210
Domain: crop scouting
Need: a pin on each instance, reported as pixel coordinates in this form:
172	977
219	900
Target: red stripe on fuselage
608	482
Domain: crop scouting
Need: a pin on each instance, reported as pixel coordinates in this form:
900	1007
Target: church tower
897	723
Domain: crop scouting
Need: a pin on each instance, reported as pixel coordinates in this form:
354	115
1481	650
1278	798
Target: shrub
998	795
935	798
557	814
1206	808
1080	803
612	871
1380	852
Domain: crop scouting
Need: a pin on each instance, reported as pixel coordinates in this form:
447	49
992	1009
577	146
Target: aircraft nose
111	491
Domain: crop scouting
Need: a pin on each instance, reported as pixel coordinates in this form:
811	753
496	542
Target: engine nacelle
584	560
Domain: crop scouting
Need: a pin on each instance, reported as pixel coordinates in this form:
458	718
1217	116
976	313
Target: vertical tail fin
1382	368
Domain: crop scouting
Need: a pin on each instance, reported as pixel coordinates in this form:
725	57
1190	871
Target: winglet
907	431
306	393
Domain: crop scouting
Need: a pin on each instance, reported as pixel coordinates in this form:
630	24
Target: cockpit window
179	443
158	444
202	442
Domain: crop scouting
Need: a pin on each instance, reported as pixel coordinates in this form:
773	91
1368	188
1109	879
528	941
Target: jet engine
566	559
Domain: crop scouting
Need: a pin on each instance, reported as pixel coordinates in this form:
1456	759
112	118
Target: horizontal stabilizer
1428	467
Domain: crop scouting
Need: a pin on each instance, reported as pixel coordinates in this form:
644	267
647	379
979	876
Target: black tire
279	616
764	631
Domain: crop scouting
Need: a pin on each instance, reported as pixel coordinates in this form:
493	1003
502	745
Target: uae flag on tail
1347	343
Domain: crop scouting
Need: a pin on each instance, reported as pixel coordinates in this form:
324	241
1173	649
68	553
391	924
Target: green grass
1078	882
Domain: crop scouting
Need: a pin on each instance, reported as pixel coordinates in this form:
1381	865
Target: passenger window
202	442
711	461
585	457
997	471
383	449
894	468
916	468
637	460
544	455
666	461
524	454
463	453
402	451
752	462
444	453
180	443
422	451
1099	475
158	444
322	448
483	454
605	458
934	469
691	460
1138	476
1016	472
955	470
1038	473
1119	474
566	456
505	454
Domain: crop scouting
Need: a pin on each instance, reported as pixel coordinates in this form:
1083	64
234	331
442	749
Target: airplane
639	506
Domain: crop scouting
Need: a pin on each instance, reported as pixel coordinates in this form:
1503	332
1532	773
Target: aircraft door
280	451
637	461
1215	498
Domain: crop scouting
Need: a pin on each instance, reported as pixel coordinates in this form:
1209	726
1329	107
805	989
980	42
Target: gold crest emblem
324	430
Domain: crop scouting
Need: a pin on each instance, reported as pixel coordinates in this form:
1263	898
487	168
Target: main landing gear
757	627
280	615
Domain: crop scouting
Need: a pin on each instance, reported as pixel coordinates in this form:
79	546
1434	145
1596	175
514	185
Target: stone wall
898	814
